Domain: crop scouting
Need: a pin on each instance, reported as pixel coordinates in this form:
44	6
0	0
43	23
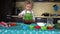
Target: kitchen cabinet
7	8
46	0
39	0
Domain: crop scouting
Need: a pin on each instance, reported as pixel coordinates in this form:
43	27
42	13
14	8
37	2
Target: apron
27	18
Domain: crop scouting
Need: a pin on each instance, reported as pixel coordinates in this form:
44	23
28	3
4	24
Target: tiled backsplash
41	7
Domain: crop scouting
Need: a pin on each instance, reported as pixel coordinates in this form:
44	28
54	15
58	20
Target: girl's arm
20	15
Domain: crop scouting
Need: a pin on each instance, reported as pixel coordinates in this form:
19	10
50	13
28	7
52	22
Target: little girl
28	9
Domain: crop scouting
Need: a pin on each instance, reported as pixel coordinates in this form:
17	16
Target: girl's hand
20	16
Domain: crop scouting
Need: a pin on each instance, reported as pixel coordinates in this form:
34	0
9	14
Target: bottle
27	17
49	21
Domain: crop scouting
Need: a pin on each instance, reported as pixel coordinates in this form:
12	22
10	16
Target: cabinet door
7	8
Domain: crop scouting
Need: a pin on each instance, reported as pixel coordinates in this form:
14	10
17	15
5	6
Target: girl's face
28	7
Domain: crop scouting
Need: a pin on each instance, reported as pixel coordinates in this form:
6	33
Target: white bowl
41	24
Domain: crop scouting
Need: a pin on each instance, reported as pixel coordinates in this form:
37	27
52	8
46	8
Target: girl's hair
27	2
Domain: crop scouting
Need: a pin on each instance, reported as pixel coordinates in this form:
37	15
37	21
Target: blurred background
9	8
41	6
